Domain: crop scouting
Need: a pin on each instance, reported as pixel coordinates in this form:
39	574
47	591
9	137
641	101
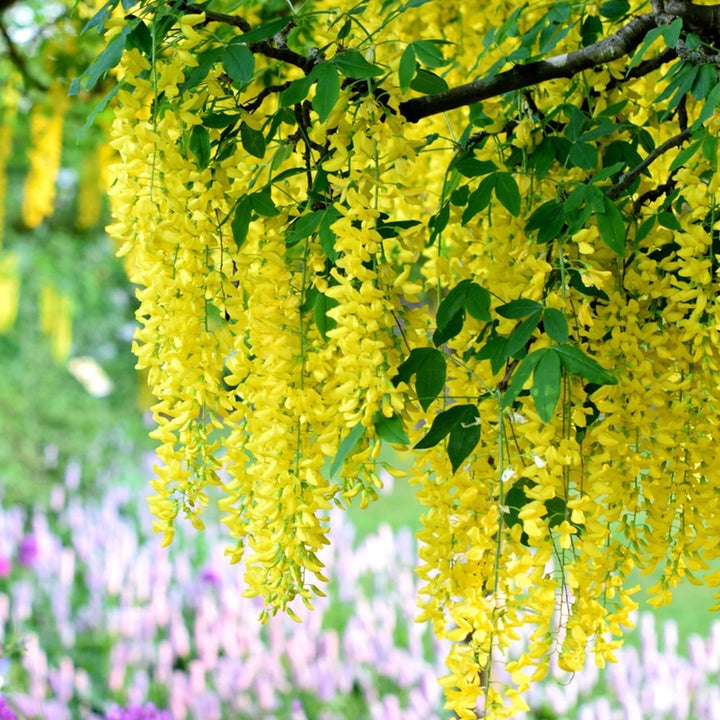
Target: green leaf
495	350
296	92
684	155
479	198
219	120
464	439
262	203
323	321
303	227
241	222
451	304
327	234
584	156
252	140
576	362
671	32
263	32
469	166
391	429
345	448
520	308
614	9
353	65
327	91
612	227
428	53
200	145
546	385
239	63
104	62
521	376
477	302
548	220
407	68
444	423
557	511
429	367
556	325
507	192
520	336
450	329
428	83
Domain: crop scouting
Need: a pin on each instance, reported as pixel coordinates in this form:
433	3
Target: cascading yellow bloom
46	125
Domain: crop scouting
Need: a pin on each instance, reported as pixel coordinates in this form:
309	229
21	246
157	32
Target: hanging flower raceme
46	124
502	288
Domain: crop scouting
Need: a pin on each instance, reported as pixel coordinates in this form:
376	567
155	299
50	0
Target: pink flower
5	566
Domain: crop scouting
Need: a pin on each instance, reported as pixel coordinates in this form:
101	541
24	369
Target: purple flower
6	712
28	551
137	712
211	577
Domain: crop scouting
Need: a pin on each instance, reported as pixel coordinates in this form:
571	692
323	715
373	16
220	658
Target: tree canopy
489	237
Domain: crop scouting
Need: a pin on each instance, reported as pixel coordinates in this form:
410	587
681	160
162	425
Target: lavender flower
137	712
6	712
28	551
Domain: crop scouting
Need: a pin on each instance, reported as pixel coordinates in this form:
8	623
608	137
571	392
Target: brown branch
263	48
624	41
18	60
697	18
627	179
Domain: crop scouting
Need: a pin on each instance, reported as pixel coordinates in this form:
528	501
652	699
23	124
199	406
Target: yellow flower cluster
46	124
9	289
279	295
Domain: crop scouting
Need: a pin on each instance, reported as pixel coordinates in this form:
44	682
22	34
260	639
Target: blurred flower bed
98	622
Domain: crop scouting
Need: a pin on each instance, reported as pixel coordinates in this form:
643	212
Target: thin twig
627	179
283	53
19	61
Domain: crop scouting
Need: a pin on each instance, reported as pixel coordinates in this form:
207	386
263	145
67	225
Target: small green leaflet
262	203
547	384
239	63
520	336
323	321
296	92
241	221
390	429
327	91
520	308
612	227
429	367
407	68
461	422
576	362
353	65
346	447
555	325
428	83
303	227
507	192
429	54
521	376
263	32
252	140
200	145
465	295
104	62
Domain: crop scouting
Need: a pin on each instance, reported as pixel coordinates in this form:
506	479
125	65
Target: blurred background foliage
68	388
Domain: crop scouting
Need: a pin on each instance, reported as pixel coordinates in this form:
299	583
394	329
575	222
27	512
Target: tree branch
19	61
627	179
624	41
263	48
697	18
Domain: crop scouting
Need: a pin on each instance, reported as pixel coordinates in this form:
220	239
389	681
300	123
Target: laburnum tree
485	233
